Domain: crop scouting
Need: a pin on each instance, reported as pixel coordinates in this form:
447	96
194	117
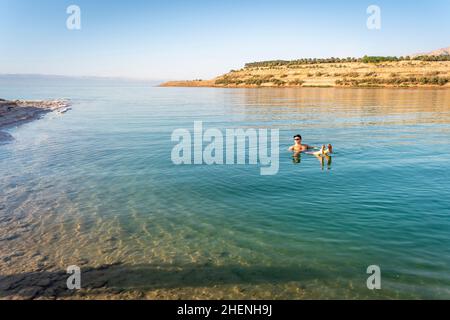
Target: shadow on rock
5	137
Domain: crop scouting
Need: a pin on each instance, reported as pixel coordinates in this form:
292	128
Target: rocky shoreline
15	112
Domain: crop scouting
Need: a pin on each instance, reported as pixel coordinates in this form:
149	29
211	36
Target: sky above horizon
202	39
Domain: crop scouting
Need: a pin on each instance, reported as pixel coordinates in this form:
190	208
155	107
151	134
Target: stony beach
14	112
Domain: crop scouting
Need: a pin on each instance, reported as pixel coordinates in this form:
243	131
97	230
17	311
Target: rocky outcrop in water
19	111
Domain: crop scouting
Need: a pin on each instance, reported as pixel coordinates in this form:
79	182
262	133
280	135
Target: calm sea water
97	186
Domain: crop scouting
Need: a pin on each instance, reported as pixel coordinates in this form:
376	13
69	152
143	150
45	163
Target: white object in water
64	110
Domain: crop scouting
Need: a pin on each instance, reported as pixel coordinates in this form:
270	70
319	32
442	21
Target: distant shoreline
417	74
181	85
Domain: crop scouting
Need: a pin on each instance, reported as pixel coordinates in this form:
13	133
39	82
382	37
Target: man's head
298	138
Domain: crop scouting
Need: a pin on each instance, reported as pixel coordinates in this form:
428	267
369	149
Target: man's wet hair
298	136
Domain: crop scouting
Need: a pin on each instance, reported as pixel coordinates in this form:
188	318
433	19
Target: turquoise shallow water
97	185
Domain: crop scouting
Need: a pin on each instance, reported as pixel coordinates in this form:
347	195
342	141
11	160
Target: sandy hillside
407	73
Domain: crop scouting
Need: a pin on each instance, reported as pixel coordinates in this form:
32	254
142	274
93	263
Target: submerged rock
29	293
5	137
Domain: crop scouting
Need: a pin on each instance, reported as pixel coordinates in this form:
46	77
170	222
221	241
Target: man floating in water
321	154
298	147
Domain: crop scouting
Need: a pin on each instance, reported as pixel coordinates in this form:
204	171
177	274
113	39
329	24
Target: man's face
298	140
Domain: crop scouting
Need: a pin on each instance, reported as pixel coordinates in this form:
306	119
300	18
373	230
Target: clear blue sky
200	39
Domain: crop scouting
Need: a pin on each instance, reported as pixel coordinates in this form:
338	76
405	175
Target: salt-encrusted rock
19	111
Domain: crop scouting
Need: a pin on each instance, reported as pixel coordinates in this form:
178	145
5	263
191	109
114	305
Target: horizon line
129	78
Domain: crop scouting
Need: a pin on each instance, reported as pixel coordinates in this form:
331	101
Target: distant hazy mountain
439	52
64	80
